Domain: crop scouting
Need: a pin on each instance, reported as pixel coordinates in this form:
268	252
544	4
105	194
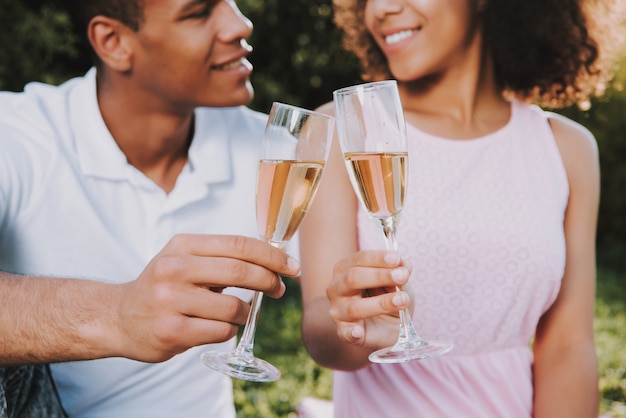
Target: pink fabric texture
483	229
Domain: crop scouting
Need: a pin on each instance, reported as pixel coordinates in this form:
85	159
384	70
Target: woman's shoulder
572	138
578	148
565	128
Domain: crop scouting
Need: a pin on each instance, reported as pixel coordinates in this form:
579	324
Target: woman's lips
233	64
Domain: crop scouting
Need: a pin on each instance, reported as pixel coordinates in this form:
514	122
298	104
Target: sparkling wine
380	179
284	191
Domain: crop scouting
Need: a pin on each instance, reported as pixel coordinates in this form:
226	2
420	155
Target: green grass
610	330
279	341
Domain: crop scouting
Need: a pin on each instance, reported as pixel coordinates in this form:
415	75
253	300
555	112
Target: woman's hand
364	303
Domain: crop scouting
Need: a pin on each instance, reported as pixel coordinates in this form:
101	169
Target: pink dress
483	229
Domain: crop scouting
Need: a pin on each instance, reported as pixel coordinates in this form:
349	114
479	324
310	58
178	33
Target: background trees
36	43
298	59
297	54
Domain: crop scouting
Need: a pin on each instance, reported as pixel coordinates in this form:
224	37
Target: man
138	179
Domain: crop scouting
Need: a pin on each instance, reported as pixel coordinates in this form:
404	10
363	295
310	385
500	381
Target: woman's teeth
399	36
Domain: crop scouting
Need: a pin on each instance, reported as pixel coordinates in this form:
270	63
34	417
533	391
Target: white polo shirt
71	205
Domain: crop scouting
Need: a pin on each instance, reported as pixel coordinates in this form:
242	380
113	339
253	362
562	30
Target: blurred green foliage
297	55
36	43
298	59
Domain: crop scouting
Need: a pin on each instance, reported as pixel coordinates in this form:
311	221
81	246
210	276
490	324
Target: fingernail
392	259
399	275
293	264
355	333
400	299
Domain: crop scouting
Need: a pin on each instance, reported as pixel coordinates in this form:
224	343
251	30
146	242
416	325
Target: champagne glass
293	153
372	134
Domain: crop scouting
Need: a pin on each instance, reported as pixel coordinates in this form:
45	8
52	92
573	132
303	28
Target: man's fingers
196	331
243	248
198	317
206	304
218	272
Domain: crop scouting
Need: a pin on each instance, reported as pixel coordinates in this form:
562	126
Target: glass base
252	369
410	350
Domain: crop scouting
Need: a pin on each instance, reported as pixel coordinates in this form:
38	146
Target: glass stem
408	334
245	348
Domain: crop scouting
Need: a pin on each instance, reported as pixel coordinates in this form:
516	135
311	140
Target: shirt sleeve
24	163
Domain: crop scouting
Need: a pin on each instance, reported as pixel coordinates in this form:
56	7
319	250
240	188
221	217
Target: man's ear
109	38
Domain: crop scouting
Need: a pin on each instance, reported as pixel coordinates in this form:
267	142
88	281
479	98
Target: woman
498	230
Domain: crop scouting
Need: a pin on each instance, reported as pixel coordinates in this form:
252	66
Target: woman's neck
459	103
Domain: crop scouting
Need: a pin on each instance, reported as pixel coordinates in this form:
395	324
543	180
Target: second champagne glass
372	135
294	151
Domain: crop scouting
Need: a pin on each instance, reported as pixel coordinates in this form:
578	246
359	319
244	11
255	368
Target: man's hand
177	303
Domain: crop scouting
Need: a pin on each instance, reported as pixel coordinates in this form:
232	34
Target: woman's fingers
370	258
355	309
357	281
365	299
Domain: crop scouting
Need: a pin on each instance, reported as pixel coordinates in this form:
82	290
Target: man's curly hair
551	52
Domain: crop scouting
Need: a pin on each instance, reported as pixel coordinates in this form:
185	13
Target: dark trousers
29	392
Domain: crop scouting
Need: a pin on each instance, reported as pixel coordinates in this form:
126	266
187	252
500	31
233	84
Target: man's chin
243	97
250	91
232	101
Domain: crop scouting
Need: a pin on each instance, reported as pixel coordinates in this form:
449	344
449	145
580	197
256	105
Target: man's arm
175	304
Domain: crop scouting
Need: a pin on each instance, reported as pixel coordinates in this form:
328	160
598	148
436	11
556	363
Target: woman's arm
565	367
340	327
